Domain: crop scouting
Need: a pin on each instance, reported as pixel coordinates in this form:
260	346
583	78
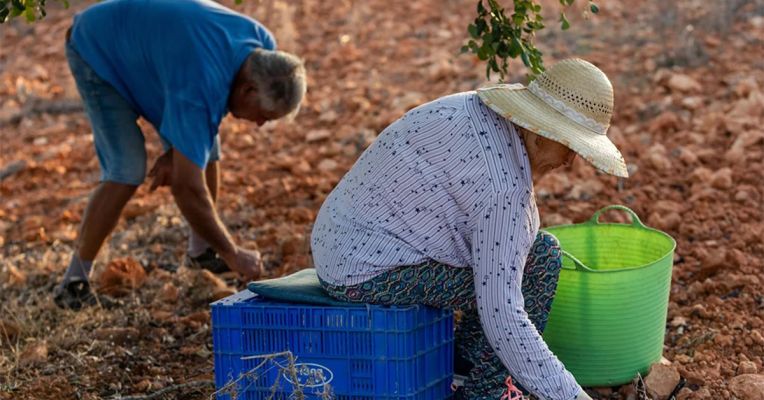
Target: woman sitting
440	211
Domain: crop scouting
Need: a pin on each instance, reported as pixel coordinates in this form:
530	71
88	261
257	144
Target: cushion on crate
300	287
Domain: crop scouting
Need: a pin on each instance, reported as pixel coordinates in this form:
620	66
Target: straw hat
570	103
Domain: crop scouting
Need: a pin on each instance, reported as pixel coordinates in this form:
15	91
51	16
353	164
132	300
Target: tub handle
577	264
595	219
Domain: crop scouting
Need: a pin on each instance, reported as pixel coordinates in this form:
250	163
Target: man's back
168	58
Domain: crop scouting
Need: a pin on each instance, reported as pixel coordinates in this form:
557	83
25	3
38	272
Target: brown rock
757	337
202	317
318	134
666	222
702	394
586	190
628	392
684	394
301	167
13	277
748	386
120	277
301	215
143	386
168	293
33	354
661	381
747	367
667	121
722	179
327	165
658	161
692	103
212	280
683	83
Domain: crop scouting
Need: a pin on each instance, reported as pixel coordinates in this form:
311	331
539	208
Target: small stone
628	392
723	340
301	167
722	179
143	386
318	134
757	337
747	367
121	276
683	83
168	293
661	380
692	103
11	276
748	386
684	394
327	165
34	353
665	122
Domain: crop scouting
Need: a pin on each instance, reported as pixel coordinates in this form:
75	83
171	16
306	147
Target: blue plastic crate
365	352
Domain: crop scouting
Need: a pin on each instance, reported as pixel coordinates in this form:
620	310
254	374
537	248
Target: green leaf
594	8
482	54
526	60
464	49
564	21
473	31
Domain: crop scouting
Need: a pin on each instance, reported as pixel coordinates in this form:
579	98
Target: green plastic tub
609	314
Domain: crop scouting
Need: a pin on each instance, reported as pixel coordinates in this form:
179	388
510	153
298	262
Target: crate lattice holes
364	352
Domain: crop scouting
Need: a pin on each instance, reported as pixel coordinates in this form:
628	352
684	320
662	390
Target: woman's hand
161	171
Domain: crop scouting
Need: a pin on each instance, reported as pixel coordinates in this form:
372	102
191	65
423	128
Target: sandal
76	294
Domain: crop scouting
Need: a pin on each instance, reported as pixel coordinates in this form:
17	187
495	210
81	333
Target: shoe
210	261
75	295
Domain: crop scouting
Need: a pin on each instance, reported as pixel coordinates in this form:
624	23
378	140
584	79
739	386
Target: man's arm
195	202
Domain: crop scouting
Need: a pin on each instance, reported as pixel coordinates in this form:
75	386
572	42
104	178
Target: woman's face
545	154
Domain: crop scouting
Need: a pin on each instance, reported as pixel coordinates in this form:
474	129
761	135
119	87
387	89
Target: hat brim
519	105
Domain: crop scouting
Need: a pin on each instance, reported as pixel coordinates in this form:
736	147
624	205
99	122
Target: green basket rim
633	225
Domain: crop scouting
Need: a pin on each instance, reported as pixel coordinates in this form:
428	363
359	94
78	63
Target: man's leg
101	216
119	145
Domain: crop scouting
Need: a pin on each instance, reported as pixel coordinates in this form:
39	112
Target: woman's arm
502	239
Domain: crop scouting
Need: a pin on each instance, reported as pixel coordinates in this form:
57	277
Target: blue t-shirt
173	60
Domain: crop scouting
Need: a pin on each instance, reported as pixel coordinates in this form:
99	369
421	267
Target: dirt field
689	84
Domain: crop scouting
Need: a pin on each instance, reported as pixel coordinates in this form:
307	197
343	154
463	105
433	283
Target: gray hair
280	80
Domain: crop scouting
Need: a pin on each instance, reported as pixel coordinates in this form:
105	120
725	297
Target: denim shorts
119	142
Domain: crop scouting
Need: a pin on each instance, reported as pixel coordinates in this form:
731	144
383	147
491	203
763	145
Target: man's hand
247	263
161	171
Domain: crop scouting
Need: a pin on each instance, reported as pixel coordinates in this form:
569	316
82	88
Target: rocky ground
689	83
